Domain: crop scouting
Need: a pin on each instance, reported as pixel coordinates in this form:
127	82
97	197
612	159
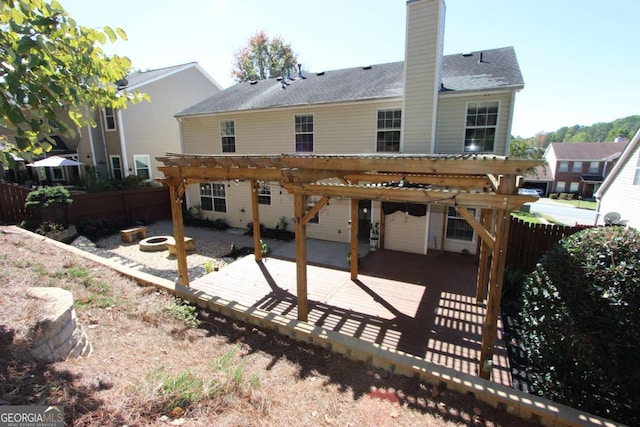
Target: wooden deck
416	304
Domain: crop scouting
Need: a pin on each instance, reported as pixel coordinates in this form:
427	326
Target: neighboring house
620	192
579	168
126	142
427	104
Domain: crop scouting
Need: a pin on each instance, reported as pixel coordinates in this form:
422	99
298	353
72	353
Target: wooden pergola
462	181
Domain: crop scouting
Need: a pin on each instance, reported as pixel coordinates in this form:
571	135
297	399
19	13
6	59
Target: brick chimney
423	64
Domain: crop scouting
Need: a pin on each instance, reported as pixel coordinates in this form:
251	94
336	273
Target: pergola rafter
461	181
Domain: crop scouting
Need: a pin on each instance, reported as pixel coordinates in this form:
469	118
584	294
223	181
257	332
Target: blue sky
580	58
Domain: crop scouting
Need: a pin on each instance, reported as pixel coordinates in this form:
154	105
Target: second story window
480	131
577	167
389	122
563	167
594	167
228	136
109	118
304	132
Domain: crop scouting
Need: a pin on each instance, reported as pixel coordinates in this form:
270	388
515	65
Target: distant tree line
600	132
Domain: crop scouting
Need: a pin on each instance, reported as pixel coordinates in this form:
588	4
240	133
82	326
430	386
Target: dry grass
152	366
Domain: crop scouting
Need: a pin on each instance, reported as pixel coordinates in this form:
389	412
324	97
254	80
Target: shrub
553	195
49	202
96	228
581	323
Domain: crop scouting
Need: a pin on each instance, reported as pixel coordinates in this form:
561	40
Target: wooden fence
528	242
147	204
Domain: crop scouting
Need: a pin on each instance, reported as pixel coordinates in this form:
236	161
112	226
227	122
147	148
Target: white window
480	131
116	167
304	132
141	164
573	187
228	136
560	186
636	178
577	167
109	118
213	197
563	167
264	194
457	227
388	138
316	217
594	167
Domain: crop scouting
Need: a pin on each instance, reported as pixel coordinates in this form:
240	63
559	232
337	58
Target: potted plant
374	236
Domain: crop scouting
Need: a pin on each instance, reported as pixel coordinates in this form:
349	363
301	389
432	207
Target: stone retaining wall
57	335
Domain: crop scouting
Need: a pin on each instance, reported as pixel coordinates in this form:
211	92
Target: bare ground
152	366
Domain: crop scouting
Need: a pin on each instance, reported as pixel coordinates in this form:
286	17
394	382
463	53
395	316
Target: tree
53	73
262	58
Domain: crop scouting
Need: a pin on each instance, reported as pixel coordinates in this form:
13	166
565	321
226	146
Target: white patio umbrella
54	162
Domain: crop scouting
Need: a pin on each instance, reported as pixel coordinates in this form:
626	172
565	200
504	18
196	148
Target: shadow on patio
414	304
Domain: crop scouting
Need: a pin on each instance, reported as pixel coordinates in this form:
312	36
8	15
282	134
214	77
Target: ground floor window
141	163
561	187
264	194
457	226
116	167
573	187
213	197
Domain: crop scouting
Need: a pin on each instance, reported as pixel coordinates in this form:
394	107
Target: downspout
187	203
104	146
123	145
93	152
511	110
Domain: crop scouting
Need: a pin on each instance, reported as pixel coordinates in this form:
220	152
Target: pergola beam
458	181
413	195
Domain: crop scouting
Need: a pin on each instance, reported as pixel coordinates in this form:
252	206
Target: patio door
364	220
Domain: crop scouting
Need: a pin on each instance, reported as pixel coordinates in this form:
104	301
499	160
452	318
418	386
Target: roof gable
498	70
624	158
587	150
142	78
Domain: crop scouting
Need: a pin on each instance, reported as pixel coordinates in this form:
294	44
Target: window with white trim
141	165
561	186
636	178
213	197
457	227
316	218
116	167
563	166
573	187
109	118
228	136
264	194
594	167
389	122
304	132
480	131
577	167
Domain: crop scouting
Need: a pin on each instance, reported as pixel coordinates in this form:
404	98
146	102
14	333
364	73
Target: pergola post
299	204
354	239
383	218
176	190
483	262
496	278
255	216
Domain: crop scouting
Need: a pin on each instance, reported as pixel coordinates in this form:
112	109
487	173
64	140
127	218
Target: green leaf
121	33
111	34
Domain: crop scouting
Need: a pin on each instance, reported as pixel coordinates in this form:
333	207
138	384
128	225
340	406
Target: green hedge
581	323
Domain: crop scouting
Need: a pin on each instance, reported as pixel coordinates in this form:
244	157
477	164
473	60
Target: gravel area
210	245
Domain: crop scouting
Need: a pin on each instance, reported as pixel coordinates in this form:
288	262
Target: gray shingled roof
142	77
586	150
499	69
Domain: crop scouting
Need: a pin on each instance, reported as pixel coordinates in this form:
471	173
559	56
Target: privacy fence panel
148	204
528	242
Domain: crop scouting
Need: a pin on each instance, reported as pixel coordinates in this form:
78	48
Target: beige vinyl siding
150	127
425	27
622	196
336	129
405	233
452	116
333	224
